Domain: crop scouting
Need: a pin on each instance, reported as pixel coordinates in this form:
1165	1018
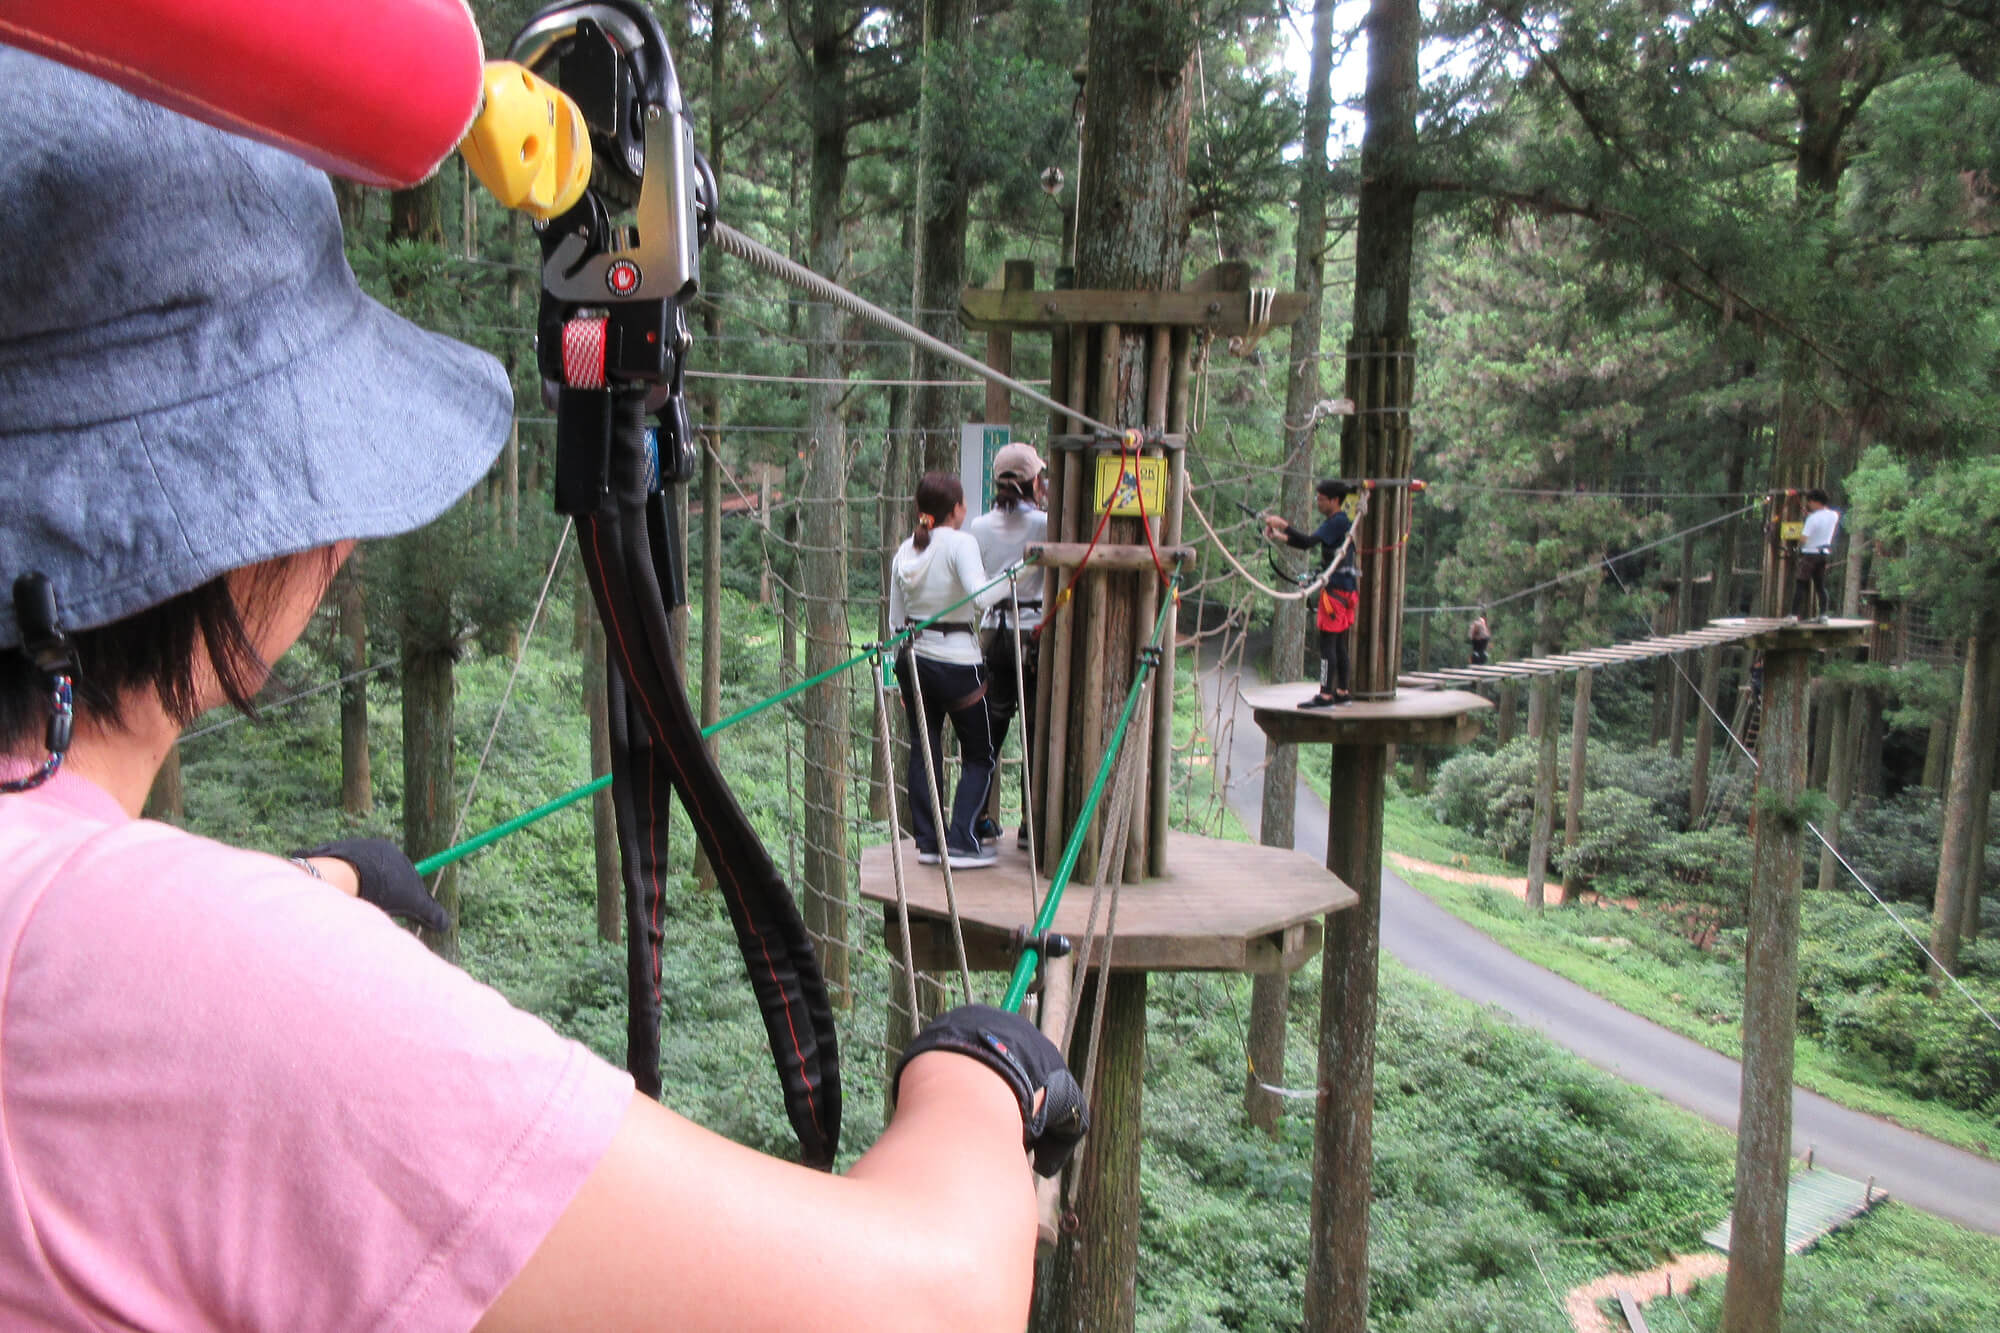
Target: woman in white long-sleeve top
936	567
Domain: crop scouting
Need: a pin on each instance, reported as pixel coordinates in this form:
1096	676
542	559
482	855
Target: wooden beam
1068	555
984	310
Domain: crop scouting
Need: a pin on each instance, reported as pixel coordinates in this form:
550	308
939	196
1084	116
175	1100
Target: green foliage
1490	796
1942	523
1863	991
1898	1271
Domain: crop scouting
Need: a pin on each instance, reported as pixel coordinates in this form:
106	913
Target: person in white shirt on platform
1815	550
937	567
1004	533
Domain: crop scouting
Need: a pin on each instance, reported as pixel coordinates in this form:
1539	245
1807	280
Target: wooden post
1336	1296
1704	731
1541	702
1846	735
1663	670
1504	727
1092	1281
1755	1290
1955	850
357	788
1545	792
1268	993
167	799
1683	621
1579	737
1015	275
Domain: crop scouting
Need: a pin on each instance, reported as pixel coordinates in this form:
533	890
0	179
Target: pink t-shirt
233	1098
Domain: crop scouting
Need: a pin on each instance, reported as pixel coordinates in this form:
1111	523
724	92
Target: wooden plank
1225	906
1170	442
984	310
1420	717
1067	555
1629	1307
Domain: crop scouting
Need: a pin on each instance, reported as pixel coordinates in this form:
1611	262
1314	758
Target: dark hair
157	649
1012	492
1816	495
1333	488
938	493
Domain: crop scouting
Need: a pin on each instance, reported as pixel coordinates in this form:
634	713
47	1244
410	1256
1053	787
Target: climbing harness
613	340
45	644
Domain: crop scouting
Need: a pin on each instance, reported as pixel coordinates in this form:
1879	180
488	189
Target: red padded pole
380	91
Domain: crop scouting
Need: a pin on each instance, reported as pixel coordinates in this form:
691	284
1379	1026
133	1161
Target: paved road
1424	937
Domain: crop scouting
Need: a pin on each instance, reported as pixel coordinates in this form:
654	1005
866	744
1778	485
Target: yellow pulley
528	144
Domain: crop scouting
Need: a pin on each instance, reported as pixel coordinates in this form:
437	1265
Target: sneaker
972	860
1320	701
1021	838
925	858
987	830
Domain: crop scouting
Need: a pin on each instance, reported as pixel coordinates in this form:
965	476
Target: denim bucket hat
191	380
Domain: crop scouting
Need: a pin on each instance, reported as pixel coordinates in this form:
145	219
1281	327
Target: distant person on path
1815	550
237	1096
1338	598
1004	533
1478	638
936	568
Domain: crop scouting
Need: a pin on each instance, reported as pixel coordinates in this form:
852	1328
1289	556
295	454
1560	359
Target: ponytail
938	494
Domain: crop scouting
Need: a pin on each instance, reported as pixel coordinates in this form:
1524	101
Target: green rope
1031	958
478	841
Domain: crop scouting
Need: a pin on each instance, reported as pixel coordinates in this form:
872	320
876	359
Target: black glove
388	880
1013	1048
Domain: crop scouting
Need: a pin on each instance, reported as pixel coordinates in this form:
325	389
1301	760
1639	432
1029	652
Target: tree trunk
943	199
1375	442
1752	1298
1545	791
711	454
357	790
1579	742
1706	705
1289	620
1968	789
429	694
603	811
822	575
167	801
1088	1288
1132	209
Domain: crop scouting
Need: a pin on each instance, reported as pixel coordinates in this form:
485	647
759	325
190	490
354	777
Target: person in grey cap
234	1097
1003	533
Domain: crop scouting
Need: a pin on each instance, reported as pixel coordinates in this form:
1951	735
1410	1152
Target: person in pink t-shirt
231	1097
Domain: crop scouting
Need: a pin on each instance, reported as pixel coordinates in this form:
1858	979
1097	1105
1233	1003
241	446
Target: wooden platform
1419	717
1224	907
1817	1203
1759	633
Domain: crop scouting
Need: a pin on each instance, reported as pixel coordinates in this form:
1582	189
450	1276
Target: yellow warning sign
1122	481
1792	532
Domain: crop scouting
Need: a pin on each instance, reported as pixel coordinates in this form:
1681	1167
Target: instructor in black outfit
1338	598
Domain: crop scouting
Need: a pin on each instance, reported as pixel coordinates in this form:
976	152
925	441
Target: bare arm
678	1228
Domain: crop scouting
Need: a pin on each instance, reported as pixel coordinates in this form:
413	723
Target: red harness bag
1336	609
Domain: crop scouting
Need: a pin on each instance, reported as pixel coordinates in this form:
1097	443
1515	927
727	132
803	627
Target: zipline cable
500	710
444	858
1814	829
733	242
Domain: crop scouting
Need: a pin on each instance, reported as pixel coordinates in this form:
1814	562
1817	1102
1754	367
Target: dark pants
1333	663
1811	575
947	687
1478	647
1002	705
